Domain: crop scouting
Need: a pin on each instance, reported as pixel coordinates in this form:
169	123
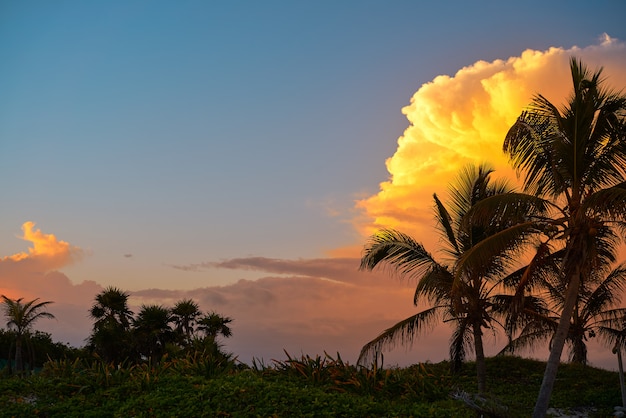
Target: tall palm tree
460	291
153	331
594	313
574	156
21	318
110	337
184	315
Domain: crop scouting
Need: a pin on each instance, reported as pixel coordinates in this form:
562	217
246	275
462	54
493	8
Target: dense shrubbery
40	348
213	384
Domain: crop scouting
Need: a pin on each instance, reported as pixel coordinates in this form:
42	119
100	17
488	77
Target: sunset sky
240	153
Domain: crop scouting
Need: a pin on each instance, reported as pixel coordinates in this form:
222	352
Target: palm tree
574	157
214	324
460	291
153	331
21	318
110	337
185	314
594	313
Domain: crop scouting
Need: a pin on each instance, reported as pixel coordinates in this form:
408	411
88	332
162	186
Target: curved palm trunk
481	367
549	376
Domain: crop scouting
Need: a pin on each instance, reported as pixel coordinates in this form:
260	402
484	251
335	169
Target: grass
320	386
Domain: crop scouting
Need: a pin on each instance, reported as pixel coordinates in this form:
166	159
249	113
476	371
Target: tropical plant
184	315
214	325
21	318
152	331
574	157
594	313
460	292
110	337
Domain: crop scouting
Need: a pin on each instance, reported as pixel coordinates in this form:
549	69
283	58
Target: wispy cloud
306	306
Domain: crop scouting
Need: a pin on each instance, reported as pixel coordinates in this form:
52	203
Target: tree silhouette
460	291
110	337
574	157
214	325
21	318
152	331
184	315
594	314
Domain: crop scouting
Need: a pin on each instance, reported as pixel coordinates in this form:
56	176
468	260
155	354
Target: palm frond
500	247
460	343
609	203
435	284
404	332
444	221
398	250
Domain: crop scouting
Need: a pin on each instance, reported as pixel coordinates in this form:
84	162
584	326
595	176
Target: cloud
34	274
46	249
305	306
327	304
461	119
340	269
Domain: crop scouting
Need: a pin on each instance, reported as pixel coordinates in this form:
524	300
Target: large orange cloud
461	119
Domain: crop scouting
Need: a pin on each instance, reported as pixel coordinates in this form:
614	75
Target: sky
240	153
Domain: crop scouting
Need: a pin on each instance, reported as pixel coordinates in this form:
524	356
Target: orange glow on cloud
461	119
45	246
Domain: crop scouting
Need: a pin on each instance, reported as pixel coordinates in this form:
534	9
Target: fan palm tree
594	314
110	337
184	315
214	324
459	291
574	157
153	331
21	318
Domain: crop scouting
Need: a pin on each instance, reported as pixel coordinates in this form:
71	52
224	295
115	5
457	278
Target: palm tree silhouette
152	331
21	318
594	313
214	324
574	157
184	315
110	337
460	291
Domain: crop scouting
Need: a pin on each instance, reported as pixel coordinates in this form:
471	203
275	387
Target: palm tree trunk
19	366
481	367
618	350
549	375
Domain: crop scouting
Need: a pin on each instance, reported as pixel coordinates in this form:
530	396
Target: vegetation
573	208
168	361
306	386
573	157
156	331
460	292
21	316
594	314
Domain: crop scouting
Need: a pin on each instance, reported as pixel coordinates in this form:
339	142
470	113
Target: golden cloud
461	119
46	247
33	274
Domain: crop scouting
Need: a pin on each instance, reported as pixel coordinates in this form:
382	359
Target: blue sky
153	134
